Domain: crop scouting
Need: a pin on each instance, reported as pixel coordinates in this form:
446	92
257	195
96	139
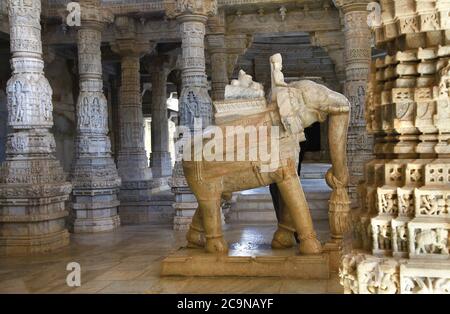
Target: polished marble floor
128	261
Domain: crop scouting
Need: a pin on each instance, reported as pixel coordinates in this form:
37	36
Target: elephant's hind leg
295	201
196	234
284	235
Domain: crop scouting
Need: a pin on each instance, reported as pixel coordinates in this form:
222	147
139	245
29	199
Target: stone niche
401	231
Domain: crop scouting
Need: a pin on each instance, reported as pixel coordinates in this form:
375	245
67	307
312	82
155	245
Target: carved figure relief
432	242
425	285
402	238
406	204
387	204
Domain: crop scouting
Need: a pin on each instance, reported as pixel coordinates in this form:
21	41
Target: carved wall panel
408	104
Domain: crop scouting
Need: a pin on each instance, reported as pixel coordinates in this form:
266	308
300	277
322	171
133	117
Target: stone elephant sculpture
293	108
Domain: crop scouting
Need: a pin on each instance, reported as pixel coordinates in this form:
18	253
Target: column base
153	212
35	244
92	225
94	202
146	202
33	211
183	218
185	206
181	223
94	216
157	210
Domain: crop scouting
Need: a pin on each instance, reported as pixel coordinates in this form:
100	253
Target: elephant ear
290	104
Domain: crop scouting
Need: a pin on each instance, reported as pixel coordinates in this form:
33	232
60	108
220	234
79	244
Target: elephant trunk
338	177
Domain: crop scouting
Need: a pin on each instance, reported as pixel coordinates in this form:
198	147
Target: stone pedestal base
268	263
334	251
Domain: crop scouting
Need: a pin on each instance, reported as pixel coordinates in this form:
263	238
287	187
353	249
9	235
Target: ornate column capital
216	43
352	5
93	15
177	8
131	47
328	39
162	63
127	43
216	23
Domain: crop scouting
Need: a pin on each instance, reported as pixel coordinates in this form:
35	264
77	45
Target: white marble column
161	162
135	192
33	187
195	103
94	173
357	64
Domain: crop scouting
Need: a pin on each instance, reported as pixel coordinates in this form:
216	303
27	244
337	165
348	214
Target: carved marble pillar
194	101
33	187
94	173
160	159
132	163
357	63
217	52
403	222
219	77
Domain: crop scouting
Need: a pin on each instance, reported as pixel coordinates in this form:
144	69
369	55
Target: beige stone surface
128	260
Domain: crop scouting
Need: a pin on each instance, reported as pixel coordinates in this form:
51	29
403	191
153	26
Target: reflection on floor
128	261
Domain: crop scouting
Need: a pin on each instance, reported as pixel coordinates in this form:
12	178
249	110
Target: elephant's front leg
209	208
196	234
295	201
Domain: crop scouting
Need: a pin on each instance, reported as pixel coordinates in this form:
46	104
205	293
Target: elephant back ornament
289	109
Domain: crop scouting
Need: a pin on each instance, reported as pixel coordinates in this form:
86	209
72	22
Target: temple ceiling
300	58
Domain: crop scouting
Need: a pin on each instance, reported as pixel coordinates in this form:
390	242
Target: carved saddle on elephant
257	113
